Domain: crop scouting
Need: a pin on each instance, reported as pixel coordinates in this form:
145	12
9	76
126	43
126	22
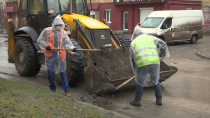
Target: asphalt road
185	94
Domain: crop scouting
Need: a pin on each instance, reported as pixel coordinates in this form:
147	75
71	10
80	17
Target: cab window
36	7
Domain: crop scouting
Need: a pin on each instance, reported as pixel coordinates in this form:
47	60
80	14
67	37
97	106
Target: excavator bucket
107	71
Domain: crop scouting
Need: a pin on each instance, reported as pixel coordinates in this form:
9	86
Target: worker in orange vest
55	60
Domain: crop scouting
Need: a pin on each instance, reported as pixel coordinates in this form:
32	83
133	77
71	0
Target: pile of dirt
95	100
114	65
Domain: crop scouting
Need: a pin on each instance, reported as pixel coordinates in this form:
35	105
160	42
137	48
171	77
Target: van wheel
194	39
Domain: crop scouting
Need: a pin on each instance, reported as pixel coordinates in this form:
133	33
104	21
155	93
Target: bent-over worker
55	60
145	63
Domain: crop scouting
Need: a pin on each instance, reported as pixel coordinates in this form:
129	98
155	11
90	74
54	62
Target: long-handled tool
125	82
104	49
69	49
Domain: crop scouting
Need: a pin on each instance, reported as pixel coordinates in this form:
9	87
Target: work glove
74	50
48	48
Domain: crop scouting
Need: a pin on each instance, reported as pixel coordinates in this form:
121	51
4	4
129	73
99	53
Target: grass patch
26	101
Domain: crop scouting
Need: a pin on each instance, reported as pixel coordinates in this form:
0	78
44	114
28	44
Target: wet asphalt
186	94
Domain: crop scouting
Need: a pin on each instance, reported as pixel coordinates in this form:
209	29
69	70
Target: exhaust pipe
70	5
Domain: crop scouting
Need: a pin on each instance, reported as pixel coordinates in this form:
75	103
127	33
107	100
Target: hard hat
10	20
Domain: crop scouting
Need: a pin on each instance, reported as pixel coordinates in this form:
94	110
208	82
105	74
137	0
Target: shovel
121	85
104	49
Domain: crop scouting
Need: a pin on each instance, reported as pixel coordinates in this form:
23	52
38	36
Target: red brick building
125	14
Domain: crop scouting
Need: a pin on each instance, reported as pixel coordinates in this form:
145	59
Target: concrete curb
198	53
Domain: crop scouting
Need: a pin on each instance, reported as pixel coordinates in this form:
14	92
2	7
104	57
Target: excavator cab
39	14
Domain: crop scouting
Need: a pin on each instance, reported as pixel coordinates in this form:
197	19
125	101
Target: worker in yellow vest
145	63
55	60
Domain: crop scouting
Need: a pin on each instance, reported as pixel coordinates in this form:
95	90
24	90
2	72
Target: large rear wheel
74	65
25	57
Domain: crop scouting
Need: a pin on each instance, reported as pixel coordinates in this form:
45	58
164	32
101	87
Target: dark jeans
51	78
139	91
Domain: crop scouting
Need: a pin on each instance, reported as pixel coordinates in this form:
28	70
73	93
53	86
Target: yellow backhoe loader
99	71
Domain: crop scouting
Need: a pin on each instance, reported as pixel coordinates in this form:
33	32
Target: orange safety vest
50	41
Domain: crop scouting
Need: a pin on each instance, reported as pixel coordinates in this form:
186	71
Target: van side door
181	29
166	29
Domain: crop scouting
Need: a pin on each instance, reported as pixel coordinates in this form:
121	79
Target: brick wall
206	14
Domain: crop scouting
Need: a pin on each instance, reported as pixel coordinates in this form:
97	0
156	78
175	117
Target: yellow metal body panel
114	43
85	21
11	42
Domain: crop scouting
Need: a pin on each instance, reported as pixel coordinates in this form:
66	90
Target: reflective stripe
144	48
48	33
146	55
51	34
49	40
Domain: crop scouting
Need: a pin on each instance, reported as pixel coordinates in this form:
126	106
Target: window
108	15
125	20
36	7
168	21
24	8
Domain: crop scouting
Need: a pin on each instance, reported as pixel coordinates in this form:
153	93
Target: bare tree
2	18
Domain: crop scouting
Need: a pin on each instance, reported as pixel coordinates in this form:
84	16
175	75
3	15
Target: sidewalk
204	53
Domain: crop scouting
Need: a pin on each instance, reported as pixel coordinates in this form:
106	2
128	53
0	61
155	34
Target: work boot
68	94
135	103
159	102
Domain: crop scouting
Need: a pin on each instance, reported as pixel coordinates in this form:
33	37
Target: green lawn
26	101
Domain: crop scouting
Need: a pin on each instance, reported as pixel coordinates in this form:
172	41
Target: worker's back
145	51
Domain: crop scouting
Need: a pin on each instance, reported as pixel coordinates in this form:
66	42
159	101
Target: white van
176	25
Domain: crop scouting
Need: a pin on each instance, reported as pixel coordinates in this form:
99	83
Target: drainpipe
133	19
70	5
91	5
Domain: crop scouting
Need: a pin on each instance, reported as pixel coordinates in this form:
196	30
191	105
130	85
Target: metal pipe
70	5
91	5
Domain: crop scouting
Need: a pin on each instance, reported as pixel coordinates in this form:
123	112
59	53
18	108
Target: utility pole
1	15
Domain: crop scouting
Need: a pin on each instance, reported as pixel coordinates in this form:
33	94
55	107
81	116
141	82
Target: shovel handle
69	49
125	82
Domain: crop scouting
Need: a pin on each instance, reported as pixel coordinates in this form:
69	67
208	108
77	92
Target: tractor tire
74	65
124	40
26	58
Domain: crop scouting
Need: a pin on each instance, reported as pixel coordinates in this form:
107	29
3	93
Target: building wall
182	5
206	2
117	14
134	12
99	1
206	15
